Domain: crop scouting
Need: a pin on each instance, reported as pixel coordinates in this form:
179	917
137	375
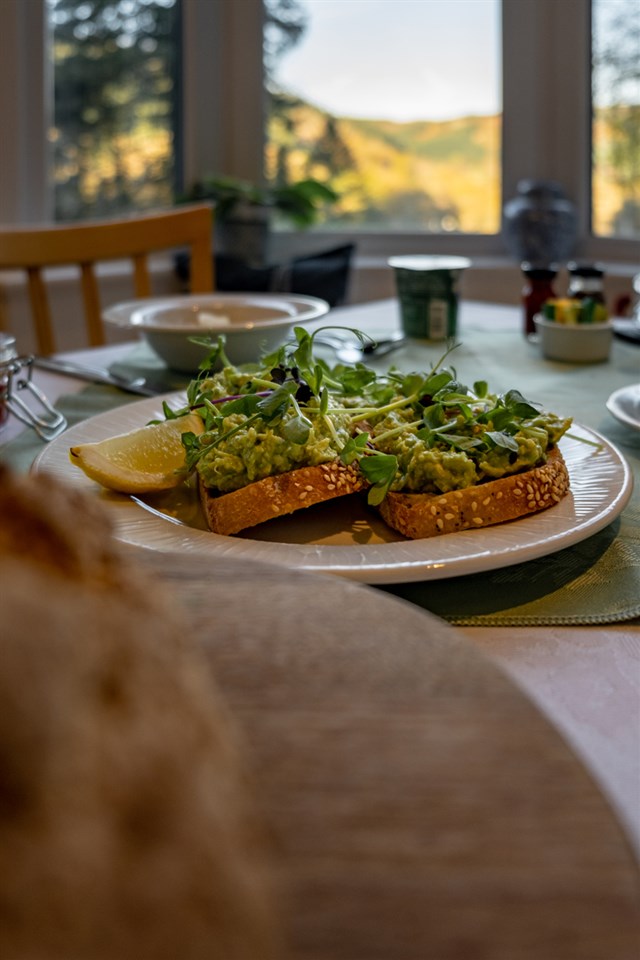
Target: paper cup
428	294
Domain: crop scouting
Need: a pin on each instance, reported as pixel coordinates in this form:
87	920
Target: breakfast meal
128	826
264	440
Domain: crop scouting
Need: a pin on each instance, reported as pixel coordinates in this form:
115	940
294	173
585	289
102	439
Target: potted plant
243	210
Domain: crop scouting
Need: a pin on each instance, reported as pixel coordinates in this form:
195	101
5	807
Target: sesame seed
478	521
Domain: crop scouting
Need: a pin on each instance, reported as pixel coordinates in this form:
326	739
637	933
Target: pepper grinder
537	289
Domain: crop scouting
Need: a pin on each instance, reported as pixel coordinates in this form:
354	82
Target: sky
398	59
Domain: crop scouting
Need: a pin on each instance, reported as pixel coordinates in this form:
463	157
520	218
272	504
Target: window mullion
25	195
223	88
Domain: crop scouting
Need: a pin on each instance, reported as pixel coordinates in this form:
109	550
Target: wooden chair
86	244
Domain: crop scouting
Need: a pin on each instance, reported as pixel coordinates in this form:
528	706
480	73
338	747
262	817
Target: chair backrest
86	244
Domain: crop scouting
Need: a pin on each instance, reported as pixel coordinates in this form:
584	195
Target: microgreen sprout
290	390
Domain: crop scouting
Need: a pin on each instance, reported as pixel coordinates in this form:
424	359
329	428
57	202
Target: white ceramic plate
624	405
344	537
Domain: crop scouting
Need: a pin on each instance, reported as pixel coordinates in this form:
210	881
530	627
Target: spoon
355	352
352	351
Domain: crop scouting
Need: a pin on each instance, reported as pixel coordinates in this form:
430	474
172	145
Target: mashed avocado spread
443	467
418	432
260	450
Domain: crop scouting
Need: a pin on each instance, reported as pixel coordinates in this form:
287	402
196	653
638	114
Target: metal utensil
352	351
79	371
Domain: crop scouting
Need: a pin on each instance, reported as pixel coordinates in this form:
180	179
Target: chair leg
91	297
142	282
41	311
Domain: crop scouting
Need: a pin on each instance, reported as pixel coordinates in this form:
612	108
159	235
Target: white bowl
251	323
576	342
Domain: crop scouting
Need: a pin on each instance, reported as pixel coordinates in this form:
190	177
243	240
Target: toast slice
418	515
276	496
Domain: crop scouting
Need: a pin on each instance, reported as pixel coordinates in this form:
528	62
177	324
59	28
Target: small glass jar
23	398
7	358
537	290
586	280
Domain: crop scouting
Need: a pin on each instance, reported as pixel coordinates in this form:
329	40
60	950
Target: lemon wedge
142	461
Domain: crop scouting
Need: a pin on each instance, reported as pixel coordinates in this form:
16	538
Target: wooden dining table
575	666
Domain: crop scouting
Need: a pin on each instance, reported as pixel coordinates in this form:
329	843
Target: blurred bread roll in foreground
127	826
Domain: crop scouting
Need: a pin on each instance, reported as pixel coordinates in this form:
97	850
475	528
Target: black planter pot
244	234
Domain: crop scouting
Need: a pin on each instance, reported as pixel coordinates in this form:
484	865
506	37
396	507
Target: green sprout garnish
292	390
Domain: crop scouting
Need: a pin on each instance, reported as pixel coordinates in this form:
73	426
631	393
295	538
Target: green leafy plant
299	202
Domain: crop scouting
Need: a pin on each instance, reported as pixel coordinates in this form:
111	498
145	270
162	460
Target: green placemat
141	361
595	581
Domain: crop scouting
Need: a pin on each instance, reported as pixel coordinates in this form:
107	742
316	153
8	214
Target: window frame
546	114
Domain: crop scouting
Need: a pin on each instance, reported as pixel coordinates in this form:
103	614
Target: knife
68	368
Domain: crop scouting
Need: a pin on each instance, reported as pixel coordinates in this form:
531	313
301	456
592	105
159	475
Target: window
396	105
545	111
114	126
616	118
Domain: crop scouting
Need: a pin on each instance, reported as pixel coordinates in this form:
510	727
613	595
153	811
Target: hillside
438	176
408	176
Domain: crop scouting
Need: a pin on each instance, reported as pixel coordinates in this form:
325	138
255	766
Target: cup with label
428	294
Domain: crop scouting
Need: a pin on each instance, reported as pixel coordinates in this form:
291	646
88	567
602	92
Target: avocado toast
433	455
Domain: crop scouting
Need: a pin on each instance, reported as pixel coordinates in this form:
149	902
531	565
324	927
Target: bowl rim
428	262
134	314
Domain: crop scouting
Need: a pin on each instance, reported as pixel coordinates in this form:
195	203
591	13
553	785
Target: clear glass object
537	289
586	280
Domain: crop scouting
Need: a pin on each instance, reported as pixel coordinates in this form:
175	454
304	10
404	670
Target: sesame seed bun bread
418	515
278	495
414	515
127	819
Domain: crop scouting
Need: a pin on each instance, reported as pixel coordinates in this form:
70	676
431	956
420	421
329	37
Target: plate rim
614	408
411	561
